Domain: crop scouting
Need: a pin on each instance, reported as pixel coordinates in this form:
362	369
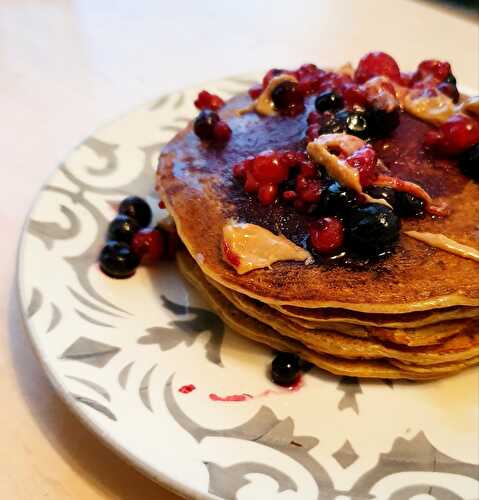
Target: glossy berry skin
222	132
385	193
336	199
122	228
354	123
408	205
117	260
204	125
469	162
328	101
285	369
432	70
377	64
136	208
287	99
327	235
371	229
149	244
205	100
364	160
382	122
456	135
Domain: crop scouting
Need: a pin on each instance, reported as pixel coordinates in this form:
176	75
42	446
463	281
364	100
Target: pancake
260	332
308	317
413	337
462	346
195	182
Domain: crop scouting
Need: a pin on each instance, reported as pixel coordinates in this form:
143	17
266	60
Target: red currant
222	131
377	64
205	100
255	91
459	133
267	193
432	69
327	234
364	160
269	168
149	244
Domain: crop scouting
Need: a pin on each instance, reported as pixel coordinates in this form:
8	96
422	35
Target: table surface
68	66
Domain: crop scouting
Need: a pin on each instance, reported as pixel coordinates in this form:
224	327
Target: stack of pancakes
412	315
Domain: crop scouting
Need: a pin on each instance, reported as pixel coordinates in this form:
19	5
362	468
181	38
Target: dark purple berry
328	101
469	162
285	368
287	98
204	125
408	205
122	228
117	260
136	208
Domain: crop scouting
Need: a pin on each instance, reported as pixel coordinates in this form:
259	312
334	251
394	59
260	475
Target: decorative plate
119	351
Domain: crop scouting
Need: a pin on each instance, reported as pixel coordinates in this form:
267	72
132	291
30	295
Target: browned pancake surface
195	181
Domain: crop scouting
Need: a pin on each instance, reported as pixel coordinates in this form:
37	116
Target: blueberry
330	124
372	229
328	101
451	79
336	199
408	205
287	99
385	193
354	122
204	125
122	228
137	209
117	260
381	122
285	368
469	162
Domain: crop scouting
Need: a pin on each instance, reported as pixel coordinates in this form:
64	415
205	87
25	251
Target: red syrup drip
186	389
298	384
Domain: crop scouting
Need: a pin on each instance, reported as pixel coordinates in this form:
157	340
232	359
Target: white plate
119	350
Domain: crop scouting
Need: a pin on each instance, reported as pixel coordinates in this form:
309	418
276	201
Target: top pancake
195	182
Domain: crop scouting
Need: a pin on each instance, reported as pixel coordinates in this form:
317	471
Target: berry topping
285	369
336	199
204	125
255	91
122	228
450	90
205	100
208	127
270	75
326	235
372	229
432	70
408	205
353	95
364	160
377	64
265	173
382	122
385	193
287	98
354	123
136	208
469	162
117	260
328	101
456	135
222	131
149	244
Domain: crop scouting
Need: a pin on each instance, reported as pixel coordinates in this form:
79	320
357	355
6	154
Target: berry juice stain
186	389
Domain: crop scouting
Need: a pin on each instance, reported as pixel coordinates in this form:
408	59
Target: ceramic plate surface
119	351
